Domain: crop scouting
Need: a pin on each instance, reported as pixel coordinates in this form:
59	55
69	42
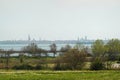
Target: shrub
57	67
118	60
97	65
62	67
23	67
74	58
38	67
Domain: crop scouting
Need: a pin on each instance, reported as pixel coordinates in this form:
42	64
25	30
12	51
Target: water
46	46
43	46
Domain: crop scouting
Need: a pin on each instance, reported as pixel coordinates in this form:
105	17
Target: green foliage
27	67
38	67
23	67
57	67
113	49
74	57
21	57
62	66
98	48
97	65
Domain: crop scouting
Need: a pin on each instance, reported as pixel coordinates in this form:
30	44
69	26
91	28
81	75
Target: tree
97	65
53	48
31	48
65	48
98	48
113	49
7	54
74	58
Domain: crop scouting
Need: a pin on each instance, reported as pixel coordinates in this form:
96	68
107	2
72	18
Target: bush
74	58
66	67
38	67
27	67
62	66
118	60
23	67
57	67
97	65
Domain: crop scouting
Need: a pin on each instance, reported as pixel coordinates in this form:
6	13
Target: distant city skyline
29	38
59	19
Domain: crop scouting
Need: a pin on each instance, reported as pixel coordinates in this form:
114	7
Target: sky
59	19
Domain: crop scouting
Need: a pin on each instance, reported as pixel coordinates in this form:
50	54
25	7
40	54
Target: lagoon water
43	46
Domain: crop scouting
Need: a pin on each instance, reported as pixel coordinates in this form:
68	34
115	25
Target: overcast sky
59	19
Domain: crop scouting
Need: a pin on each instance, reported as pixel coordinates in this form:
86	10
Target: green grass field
59	75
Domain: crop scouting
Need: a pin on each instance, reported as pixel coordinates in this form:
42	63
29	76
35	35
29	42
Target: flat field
60	75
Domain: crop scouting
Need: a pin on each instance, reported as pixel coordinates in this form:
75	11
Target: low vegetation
103	56
59	75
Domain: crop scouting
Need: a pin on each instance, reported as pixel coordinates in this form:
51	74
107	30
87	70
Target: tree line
103	56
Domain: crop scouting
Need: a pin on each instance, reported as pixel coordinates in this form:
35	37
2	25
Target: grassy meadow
60	75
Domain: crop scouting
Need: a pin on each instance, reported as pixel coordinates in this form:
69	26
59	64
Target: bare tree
53	48
65	48
31	48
